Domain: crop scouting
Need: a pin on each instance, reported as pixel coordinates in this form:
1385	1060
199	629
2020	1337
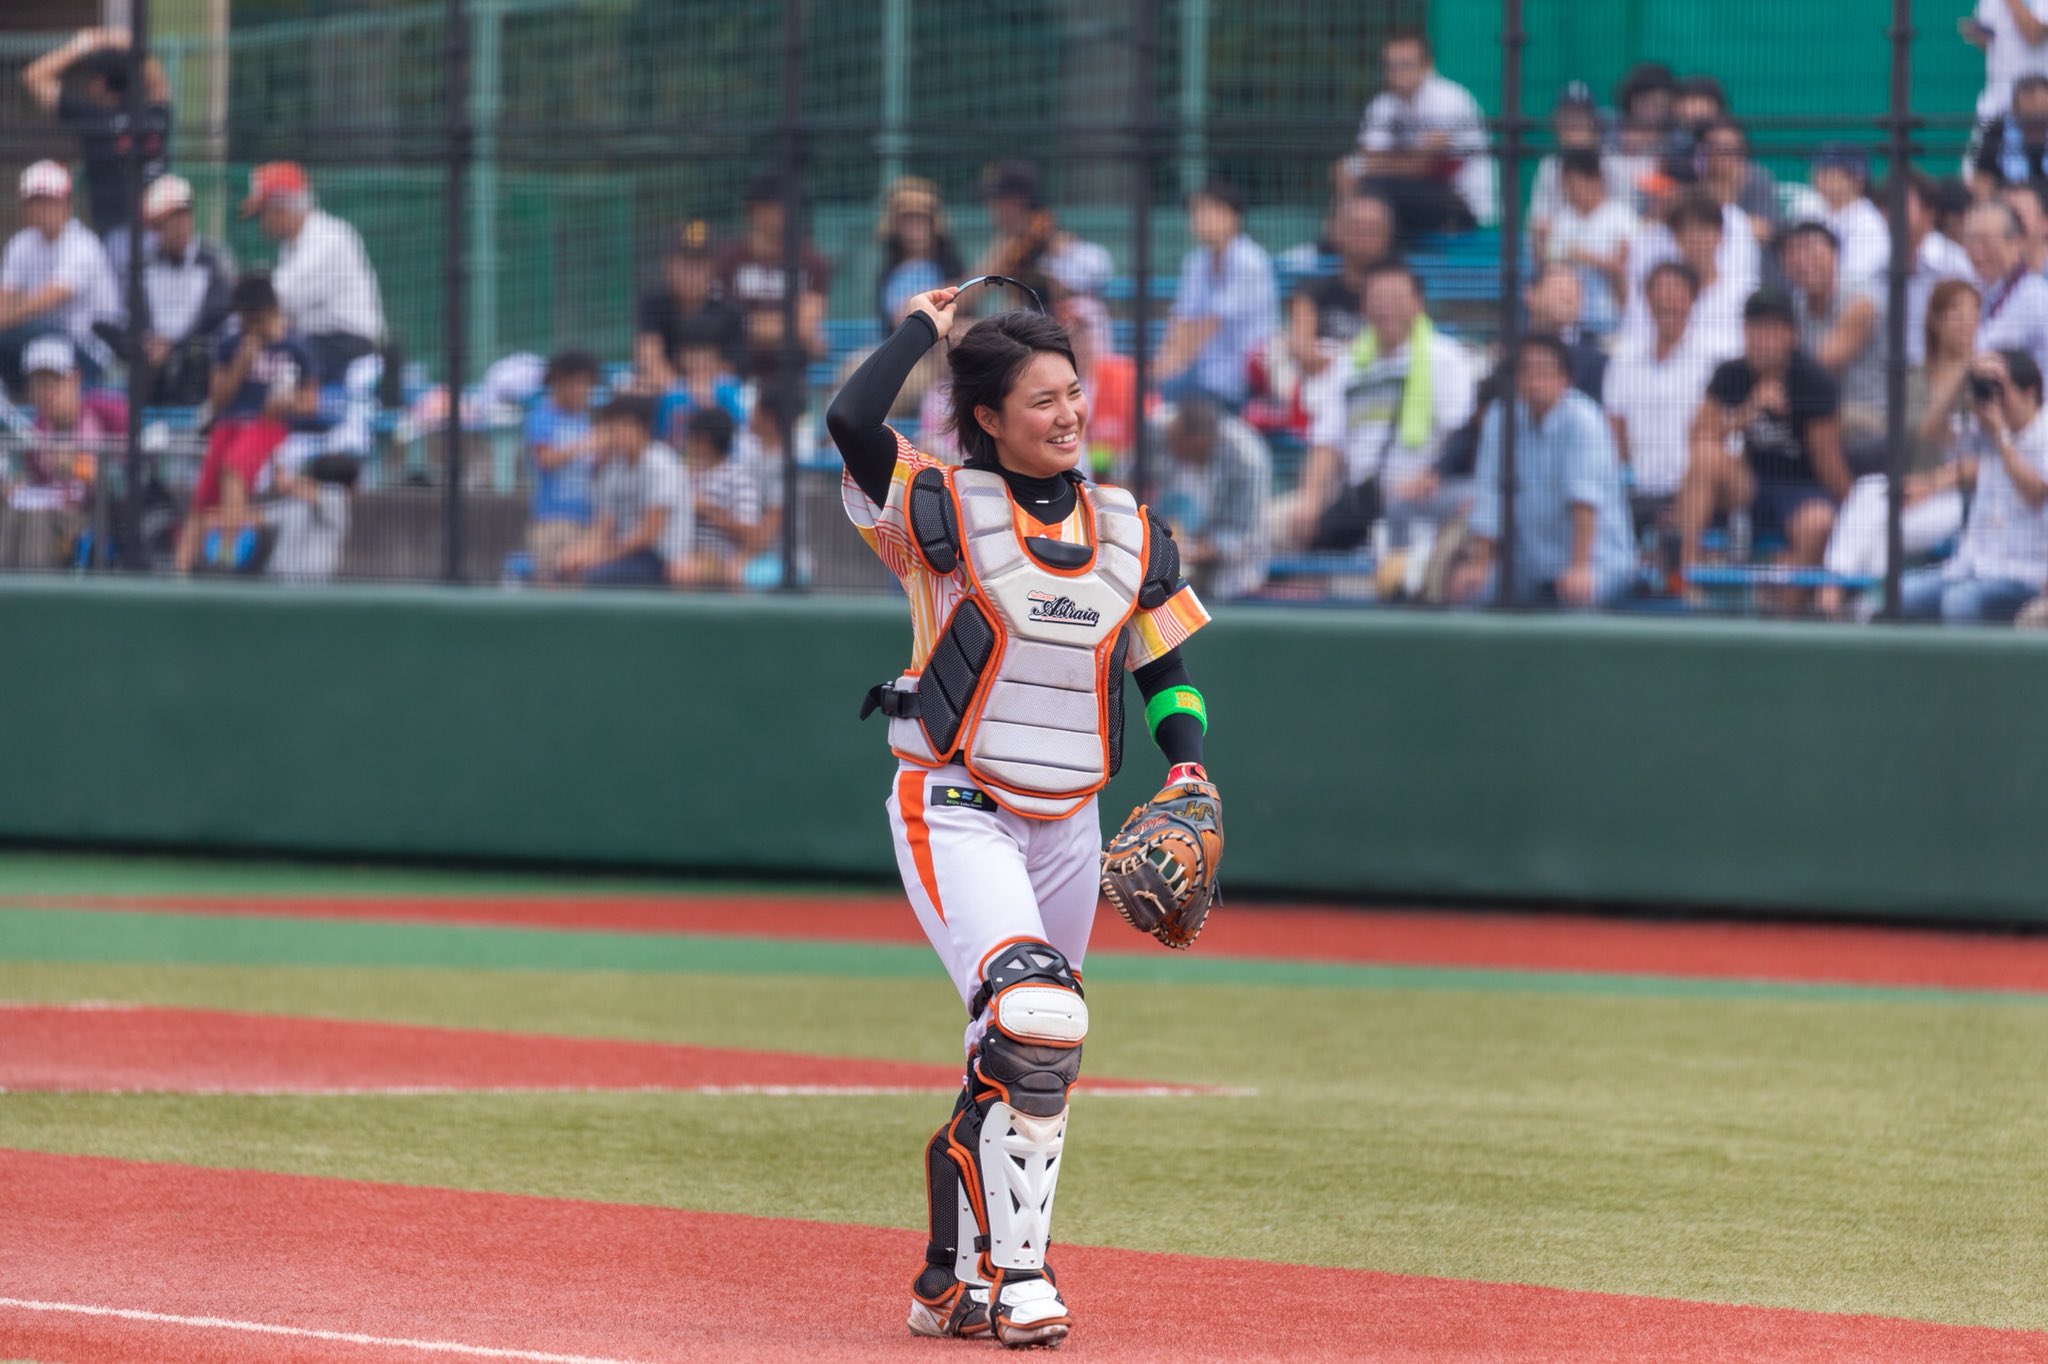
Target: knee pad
1036	1018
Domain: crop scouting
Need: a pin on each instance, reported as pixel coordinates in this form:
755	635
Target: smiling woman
1032	592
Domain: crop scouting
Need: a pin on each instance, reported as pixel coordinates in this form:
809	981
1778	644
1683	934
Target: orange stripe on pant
910	803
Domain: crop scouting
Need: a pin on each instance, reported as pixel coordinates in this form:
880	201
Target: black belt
884	697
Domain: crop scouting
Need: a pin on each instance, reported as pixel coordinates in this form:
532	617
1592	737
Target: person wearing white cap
74	430
54	275
186	283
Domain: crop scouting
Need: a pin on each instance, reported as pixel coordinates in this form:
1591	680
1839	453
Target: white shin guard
1020	1170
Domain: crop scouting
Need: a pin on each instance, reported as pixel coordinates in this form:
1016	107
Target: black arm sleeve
1179	736
859	415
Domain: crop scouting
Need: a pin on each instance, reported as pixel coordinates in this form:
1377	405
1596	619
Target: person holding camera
2001	562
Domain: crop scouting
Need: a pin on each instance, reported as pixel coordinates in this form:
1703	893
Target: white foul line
438	1347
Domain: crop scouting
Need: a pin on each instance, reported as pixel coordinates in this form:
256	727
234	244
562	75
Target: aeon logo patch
1061	610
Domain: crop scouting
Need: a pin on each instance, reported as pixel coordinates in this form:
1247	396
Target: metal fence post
1194	94
794	359
455	299
1144	172
1512	38
1898	446
128	513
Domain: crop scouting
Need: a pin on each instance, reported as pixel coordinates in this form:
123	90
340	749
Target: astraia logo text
1061	610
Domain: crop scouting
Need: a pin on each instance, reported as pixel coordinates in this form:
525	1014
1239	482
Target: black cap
1577	95
1770	305
1841	156
692	239
713	425
764	188
1011	180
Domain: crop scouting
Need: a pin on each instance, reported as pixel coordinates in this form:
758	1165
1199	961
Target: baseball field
264	1112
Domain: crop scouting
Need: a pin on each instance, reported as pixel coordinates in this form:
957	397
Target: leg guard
1006	1142
949	1296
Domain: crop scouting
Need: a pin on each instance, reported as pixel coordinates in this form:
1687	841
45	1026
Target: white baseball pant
978	874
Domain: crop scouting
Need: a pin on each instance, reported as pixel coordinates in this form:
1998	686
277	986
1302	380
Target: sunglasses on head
999	280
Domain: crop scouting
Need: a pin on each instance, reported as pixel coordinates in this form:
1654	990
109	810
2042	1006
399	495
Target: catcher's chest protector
1026	684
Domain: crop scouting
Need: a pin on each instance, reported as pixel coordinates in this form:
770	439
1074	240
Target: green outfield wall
1871	771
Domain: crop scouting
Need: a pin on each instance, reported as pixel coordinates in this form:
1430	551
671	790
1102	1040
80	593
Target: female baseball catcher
1032	592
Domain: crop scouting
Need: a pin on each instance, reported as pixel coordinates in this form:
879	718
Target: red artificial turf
418	1271
118	1048
1819	953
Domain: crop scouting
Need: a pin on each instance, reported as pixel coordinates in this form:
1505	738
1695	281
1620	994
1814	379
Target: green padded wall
1777	60
1873	771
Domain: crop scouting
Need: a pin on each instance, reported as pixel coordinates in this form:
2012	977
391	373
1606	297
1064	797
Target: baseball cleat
1030	1312
942	1306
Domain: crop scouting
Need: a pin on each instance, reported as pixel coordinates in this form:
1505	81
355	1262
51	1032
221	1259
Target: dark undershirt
858	422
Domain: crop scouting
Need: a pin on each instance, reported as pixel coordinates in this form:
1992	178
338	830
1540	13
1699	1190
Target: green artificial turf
1852	1151
55	935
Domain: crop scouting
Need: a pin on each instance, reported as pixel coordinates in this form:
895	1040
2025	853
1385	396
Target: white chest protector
1025	686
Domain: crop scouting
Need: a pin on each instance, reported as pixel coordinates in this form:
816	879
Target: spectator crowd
1696	400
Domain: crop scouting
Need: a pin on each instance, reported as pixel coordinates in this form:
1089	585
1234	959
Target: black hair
985	364
1393	267
2033	80
112	65
1580	161
1222	192
253	293
1641	79
1725	124
713	425
1553	346
782	397
1697	209
1197	419
1808	227
2026	375
1685	273
1408	35
629	407
1702	87
571	364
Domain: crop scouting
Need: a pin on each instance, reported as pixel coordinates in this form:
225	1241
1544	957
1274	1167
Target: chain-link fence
1507	301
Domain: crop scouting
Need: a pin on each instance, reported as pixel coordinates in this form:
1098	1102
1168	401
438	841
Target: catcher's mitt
1160	870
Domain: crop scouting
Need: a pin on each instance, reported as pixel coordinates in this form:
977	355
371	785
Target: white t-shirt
1716	324
1739	258
1866	239
325	282
1394	124
76	260
1546	196
2004	537
1351	411
2015	317
2008	57
1657	400
1600	232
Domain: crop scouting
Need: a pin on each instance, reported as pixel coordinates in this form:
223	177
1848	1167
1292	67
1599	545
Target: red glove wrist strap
1181	772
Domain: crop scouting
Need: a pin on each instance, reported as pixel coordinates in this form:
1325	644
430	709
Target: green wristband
1176	701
